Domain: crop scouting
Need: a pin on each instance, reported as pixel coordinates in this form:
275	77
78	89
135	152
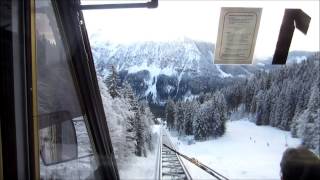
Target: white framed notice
237	35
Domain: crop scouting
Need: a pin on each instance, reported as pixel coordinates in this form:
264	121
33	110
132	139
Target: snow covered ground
246	151
142	167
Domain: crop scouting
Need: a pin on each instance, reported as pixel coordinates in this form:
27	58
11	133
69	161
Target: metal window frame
19	124
69	18
17	135
150	4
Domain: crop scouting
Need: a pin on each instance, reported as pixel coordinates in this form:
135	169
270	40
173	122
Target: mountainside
179	69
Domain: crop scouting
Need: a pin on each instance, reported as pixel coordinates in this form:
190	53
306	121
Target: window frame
19	122
17	142
71	23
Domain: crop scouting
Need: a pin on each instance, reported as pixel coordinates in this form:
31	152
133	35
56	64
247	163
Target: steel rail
172	166
159	157
199	164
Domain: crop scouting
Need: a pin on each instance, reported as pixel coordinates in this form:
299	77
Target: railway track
170	166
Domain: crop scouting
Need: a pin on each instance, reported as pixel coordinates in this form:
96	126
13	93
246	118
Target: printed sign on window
237	34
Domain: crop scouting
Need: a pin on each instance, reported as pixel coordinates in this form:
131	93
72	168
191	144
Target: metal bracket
293	18
151	4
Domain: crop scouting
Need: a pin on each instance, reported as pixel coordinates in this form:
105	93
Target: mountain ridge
177	69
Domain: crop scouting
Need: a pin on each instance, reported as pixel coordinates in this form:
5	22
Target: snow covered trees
179	117
170	113
202	121
112	82
190	108
307	124
285	97
139	128
143	120
200	125
129	122
211	117
219	114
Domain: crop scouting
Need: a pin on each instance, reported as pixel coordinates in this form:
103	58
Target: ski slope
246	151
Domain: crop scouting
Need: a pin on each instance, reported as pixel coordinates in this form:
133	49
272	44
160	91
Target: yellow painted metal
35	121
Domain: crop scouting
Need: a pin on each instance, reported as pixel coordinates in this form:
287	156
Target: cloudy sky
199	20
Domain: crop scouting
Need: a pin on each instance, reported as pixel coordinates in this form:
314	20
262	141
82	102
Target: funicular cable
200	165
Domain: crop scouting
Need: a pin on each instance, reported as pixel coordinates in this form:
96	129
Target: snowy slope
242	153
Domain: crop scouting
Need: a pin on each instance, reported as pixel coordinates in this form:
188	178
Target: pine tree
274	92
170	113
289	106
263	107
131	129
218	114
189	110
148	121
200	125
179	117
139	128
279	110
259	108
112	82
314	100
128	94
311	134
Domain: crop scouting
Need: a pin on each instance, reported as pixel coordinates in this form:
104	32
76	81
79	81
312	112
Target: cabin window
65	148
159	84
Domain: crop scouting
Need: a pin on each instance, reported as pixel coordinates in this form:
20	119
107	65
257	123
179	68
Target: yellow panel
35	123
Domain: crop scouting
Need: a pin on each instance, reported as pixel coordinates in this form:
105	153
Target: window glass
235	119
65	148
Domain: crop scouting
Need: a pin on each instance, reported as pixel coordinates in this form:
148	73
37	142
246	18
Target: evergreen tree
274	92
200	125
128	94
259	108
131	129
140	132
189	110
279	110
170	114
179	117
218	114
311	134
112	82
288	107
